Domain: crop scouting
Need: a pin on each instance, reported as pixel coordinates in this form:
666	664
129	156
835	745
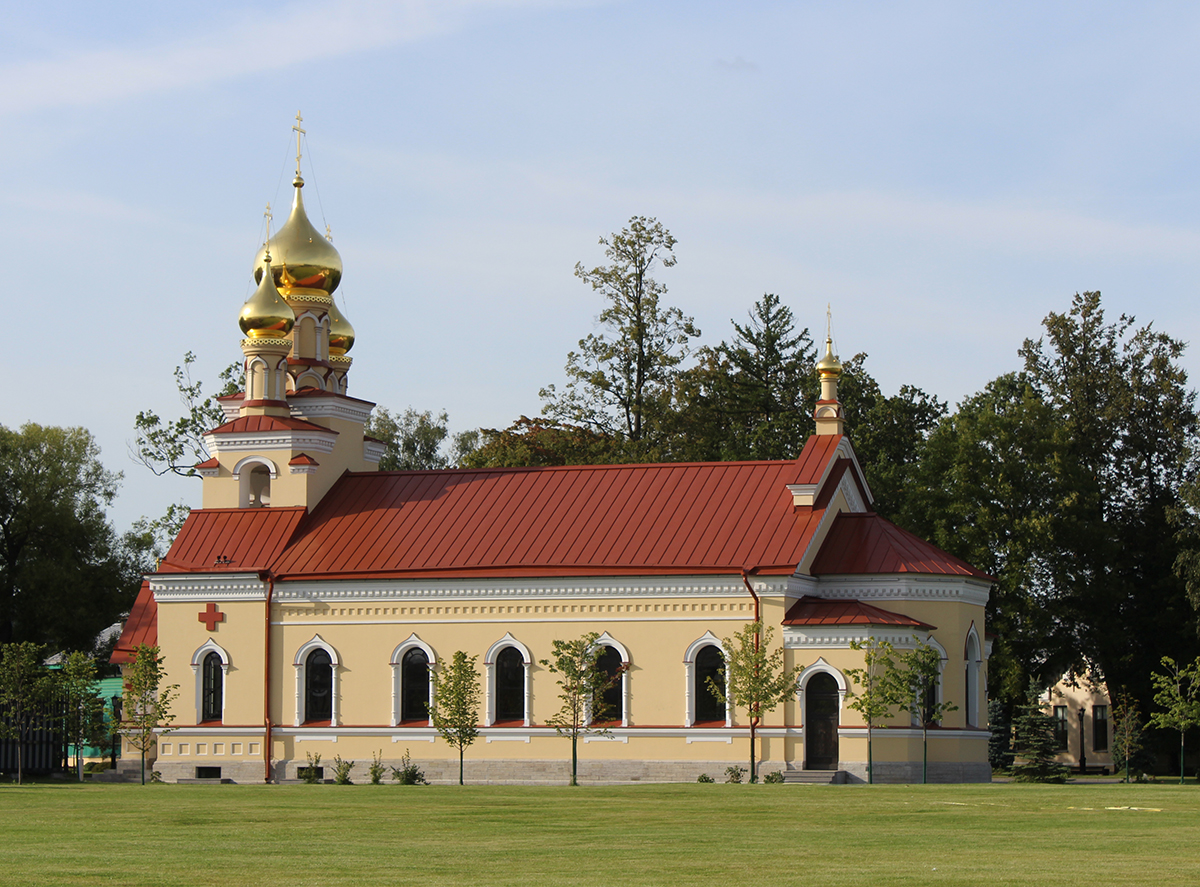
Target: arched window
613	708
971	679
510	685
414	684
318	686
709	664
212	693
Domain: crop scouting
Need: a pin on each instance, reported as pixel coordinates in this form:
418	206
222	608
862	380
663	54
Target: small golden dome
266	315
301	259
341	333
829	366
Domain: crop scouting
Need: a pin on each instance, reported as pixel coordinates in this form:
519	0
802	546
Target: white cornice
173	587
373	450
258	441
330	406
903	587
727	585
839	637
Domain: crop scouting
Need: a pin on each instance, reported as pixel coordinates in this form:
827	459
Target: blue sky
944	174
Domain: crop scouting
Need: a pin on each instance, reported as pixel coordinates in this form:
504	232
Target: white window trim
607	640
397	663
209	646
317	643
689	672
489	667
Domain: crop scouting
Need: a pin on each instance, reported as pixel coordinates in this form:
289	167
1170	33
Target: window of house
1060	726
1100	728
318	686
709	664
414	693
510	685
212	692
614	707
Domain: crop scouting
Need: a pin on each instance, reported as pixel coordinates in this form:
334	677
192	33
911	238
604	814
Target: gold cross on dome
299	132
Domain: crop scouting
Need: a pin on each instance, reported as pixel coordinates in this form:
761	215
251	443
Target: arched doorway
821	705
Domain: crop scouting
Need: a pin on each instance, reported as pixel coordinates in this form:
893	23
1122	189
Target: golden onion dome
341	333
829	366
266	315
301	258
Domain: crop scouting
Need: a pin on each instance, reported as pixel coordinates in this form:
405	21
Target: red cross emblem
211	616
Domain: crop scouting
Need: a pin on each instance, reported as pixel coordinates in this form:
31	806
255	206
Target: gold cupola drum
266	319
828	413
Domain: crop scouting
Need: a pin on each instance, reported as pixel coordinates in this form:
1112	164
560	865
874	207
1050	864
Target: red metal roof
207	463
303	459
267	423
815	456
867	543
250	538
140	628
677	519
845	611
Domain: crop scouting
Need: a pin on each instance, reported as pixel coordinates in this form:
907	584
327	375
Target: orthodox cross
211	616
299	132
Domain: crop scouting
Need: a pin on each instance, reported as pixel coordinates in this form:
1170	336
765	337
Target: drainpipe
757	638
270	580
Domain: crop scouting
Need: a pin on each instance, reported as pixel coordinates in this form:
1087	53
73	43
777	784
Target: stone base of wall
522	772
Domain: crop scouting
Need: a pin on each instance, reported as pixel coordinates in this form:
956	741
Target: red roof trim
141	627
846	611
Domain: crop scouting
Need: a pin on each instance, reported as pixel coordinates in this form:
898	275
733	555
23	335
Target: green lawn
722	835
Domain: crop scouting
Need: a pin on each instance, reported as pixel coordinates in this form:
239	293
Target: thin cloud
237	49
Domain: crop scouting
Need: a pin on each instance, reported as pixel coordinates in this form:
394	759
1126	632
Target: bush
773	778
341	770
312	773
734	774
704	777
376	768
408	773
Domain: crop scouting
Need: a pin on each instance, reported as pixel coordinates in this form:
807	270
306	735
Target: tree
1177	694
1127	752
147	702
64	573
619	381
456	704
753	678
751	397
83	709
582	683
413	439
177	446
1000	755
917	678
537	443
878	693
25	689
1034	744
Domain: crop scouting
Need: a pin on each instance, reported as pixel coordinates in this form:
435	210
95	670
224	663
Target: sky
943	175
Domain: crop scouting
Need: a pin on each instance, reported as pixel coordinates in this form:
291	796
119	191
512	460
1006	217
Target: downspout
270	580
757	640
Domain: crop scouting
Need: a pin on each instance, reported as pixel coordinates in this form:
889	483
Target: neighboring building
301	609
1082	720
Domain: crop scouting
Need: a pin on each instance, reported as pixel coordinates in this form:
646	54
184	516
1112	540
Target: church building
303	607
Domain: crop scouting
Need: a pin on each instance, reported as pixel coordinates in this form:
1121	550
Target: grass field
722	835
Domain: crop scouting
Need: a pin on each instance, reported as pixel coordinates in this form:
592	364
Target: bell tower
294	430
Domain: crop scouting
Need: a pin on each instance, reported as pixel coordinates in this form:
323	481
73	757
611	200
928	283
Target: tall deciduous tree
64	573
754	677
25	691
146	709
413	439
176	446
619	381
582	682
456	703
877	692
1177	695
538	443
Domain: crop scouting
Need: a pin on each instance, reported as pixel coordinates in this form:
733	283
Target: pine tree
1033	742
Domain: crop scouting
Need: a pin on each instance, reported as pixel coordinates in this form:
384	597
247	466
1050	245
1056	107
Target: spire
299	132
828	414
